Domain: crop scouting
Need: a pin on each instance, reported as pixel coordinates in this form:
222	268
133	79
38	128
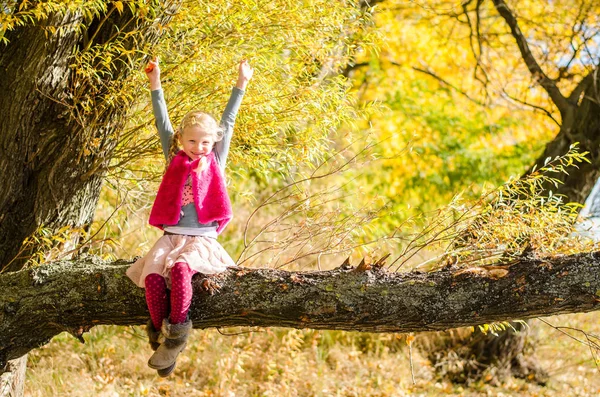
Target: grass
290	362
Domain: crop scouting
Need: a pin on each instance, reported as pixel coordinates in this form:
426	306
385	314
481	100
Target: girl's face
196	142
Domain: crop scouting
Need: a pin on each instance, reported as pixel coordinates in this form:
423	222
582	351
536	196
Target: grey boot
155	337
175	340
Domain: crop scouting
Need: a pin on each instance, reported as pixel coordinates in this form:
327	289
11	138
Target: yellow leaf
119	6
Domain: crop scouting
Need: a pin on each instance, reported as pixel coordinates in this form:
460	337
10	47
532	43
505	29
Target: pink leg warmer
156	298
181	292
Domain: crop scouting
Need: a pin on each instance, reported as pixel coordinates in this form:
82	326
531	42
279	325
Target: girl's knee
181	270
154	280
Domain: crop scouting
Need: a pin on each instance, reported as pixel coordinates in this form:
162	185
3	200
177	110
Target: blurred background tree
478	91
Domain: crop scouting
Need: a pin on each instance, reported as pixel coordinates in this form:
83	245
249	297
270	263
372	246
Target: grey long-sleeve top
188	222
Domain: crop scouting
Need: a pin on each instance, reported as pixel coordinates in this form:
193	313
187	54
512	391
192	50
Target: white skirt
202	254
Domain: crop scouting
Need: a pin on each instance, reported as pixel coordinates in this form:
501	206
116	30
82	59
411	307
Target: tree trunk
74	296
53	149
580	124
40	142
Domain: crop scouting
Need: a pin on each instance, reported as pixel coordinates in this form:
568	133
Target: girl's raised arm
245	72
159	106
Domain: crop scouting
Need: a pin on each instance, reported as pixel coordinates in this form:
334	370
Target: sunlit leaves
502	225
294	103
453	124
290	108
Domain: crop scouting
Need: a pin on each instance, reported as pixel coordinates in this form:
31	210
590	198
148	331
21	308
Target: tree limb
584	84
74	296
534	68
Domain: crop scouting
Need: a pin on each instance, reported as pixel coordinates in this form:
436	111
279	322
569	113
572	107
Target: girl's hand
245	72
153	72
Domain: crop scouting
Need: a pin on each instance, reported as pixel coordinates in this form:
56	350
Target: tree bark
74	296
37	138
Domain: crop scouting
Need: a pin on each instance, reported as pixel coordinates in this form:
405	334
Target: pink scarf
210	194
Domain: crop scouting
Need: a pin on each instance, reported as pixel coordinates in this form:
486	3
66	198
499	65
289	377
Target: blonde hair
195	118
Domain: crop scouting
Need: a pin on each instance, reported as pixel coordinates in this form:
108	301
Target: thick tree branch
74	296
584	84
534	68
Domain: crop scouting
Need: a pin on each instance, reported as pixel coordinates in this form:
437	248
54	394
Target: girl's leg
181	292
156	298
177	328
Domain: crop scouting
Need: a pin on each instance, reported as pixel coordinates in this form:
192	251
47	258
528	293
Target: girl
192	207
